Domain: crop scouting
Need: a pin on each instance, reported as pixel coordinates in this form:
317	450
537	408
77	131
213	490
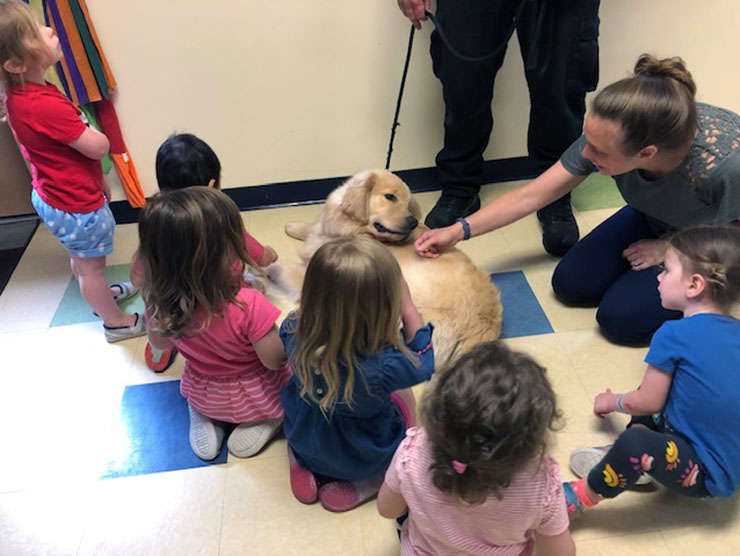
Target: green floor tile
597	192
73	309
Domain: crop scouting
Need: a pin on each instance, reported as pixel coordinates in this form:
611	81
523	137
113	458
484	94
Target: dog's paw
298	230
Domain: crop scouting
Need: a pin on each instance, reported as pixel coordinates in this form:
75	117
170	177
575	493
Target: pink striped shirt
440	524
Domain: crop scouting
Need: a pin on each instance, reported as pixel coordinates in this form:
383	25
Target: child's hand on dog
433	242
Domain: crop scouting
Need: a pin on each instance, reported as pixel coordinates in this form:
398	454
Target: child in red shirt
68	189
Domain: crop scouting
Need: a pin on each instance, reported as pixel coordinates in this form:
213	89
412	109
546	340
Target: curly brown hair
193	252
492	411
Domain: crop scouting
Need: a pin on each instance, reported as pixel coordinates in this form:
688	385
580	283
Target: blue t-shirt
354	442
702	352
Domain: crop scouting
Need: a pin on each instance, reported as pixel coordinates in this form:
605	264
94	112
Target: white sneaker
583	460
205	436
249	438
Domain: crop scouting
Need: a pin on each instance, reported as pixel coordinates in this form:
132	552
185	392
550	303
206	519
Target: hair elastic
459	466
466	228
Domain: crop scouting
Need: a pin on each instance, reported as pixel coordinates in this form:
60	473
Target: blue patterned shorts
86	234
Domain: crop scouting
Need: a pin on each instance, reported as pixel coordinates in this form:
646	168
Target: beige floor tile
572	399
624	515
164	513
561	317
44	521
379	536
261	516
649	544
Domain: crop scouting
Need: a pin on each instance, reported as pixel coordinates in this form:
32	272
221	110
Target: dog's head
382	204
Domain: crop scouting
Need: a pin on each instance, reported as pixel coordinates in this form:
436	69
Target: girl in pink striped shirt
193	255
476	480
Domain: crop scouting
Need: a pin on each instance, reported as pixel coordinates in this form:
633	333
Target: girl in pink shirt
184	160
476	480
190	242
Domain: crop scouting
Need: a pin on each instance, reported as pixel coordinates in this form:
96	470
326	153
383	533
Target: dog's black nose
413	222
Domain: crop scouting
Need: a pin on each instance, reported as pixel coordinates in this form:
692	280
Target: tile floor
73	411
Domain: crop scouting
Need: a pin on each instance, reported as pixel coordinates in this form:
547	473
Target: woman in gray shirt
676	163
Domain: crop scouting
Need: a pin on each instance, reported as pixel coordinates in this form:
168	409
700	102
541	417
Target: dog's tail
298	230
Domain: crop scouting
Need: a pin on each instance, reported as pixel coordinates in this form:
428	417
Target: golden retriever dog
451	292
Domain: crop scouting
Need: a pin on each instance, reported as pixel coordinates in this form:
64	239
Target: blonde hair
655	106
714	253
193	252
350	307
19	39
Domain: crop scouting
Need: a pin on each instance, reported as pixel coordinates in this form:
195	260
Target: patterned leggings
658	451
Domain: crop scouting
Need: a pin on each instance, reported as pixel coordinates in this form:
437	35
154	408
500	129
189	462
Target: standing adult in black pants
559	47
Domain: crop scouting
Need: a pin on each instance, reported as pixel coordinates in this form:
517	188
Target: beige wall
296	89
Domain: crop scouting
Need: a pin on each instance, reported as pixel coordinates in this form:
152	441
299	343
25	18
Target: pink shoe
302	481
342	496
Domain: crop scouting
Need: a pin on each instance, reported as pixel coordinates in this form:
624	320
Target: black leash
452	49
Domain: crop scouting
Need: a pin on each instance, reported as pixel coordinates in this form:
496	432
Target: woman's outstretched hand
433	242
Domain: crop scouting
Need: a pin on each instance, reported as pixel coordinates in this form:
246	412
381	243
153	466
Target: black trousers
559	46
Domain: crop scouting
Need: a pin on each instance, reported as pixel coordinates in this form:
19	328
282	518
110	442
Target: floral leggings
658	451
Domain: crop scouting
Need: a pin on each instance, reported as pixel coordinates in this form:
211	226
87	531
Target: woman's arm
504	210
270	349
648	399
391	504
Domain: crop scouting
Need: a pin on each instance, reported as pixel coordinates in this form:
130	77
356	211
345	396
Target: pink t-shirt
223	377
440	524
225	347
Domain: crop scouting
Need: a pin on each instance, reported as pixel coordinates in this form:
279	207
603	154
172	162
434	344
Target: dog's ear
357	197
414	208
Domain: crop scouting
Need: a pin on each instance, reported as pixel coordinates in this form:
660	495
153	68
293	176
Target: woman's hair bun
675	68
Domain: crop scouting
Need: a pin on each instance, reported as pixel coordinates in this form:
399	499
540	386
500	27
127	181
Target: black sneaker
448	209
559	228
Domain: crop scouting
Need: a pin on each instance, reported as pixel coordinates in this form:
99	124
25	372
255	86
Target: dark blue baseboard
306	192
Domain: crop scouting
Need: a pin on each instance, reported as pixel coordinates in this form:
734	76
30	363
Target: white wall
296	89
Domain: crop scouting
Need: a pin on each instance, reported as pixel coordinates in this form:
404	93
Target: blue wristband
620	406
466	228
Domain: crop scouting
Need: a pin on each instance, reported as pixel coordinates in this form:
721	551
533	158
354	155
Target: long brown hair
350	307
193	252
491	411
19	39
655	106
714	253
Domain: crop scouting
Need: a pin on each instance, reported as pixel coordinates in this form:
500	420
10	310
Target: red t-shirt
45	122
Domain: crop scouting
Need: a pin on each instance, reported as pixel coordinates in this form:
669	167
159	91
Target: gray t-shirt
703	190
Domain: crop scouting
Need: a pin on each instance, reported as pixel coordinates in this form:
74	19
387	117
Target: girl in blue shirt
683	431
349	401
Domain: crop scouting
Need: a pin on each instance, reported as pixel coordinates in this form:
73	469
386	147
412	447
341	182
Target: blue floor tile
523	315
156	420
